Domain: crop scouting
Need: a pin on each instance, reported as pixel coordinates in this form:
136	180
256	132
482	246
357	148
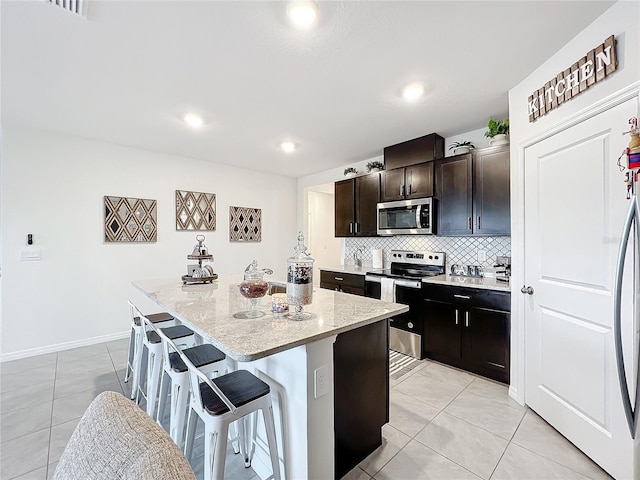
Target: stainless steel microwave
407	217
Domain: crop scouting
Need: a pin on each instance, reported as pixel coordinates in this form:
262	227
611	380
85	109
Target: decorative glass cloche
254	287
300	280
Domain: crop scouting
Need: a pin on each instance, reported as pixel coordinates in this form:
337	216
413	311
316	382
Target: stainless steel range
402	283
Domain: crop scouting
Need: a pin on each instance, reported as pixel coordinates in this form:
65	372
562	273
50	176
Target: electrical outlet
321	383
482	255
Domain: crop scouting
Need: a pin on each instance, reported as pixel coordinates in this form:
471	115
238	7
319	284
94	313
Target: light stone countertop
208	310
486	283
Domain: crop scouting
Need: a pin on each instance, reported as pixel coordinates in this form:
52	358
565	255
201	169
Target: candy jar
254	287
299	280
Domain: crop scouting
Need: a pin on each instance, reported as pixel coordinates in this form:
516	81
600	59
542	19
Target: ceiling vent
78	7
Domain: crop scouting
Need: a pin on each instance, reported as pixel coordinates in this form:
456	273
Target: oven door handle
409	283
371	278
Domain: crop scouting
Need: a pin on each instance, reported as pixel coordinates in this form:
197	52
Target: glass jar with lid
300	280
253	287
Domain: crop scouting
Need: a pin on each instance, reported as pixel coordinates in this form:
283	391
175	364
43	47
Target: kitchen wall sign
245	224
195	210
595	66
130	220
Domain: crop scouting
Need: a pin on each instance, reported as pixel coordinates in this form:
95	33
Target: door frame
518	370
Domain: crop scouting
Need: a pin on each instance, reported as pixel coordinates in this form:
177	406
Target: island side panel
361	376
304	423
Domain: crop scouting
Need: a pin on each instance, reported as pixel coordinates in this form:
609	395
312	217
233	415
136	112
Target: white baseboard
59	347
513	393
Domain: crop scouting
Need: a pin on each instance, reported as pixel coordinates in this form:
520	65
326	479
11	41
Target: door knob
528	290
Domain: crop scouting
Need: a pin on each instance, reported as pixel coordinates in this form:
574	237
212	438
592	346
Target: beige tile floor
444	423
447	424
42	399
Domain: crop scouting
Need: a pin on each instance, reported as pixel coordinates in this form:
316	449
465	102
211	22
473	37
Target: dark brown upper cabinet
473	193
415	181
355	206
418	150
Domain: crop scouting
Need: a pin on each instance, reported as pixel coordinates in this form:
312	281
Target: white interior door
574	210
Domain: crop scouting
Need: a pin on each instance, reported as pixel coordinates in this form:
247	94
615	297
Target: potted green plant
498	132
350	172
374	166
461	147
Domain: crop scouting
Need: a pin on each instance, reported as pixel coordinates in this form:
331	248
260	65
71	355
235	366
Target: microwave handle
418	211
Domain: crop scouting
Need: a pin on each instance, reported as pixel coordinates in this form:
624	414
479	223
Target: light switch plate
482	255
29	255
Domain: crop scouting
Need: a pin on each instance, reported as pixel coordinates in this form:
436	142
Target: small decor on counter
245	224
374	166
195	210
279	303
300	280
350	172
253	287
130	219
461	147
498	132
198	273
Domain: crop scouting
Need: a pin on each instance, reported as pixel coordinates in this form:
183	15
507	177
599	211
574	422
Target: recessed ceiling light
413	91
288	147
193	120
303	14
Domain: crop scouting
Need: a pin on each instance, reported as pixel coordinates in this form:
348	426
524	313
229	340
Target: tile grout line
560	464
463	420
508	444
429	423
53	400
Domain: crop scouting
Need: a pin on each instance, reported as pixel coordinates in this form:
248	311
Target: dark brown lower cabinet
342	282
468	328
361	393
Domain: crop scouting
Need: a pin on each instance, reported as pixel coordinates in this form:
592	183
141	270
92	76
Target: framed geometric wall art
245	224
195	210
130	220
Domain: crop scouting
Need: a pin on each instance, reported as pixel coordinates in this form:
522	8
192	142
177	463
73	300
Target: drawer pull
457	320
466	319
340	279
466	297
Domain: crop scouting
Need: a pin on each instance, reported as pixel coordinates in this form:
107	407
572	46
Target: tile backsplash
458	249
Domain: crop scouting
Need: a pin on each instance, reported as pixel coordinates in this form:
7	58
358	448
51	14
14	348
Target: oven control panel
423	257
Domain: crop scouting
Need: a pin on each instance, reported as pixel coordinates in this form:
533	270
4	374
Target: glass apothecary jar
299	280
253	287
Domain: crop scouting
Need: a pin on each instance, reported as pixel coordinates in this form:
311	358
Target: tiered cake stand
188	279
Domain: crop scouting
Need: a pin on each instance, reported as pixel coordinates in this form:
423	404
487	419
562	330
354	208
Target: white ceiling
128	73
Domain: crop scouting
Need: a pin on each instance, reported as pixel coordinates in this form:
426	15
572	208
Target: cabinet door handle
340	279
469	220
466	319
466	297
409	189
457	319
355	227
350	227
478	222
401	190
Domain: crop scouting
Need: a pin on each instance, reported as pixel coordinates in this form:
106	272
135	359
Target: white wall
475	136
53	187
325	248
620	20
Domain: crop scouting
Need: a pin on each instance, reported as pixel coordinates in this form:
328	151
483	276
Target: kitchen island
299	362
